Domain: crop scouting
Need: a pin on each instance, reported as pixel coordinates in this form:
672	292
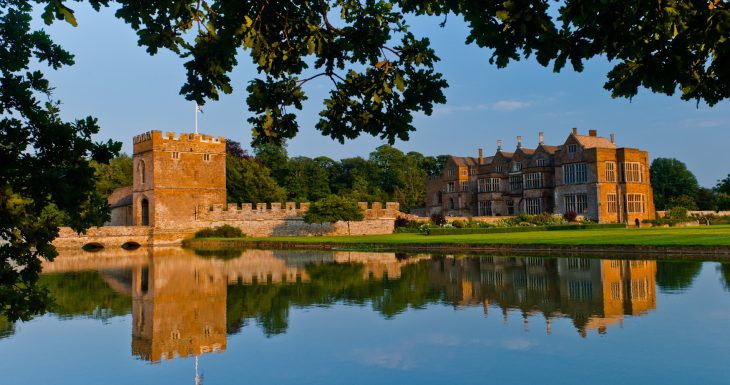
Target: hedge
521	229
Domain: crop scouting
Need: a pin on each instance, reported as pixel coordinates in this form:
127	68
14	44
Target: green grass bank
705	239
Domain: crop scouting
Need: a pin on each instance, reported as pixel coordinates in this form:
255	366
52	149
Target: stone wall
275	219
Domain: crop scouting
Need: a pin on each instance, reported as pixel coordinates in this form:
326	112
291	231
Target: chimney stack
592	133
499	144
575	131
613	138
542	138
481	156
519	141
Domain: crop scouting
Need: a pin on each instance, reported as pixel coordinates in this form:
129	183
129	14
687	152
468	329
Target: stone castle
179	187
588	175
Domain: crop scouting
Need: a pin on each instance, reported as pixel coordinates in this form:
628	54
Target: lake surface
322	317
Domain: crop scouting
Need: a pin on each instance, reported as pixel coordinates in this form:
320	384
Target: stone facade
173	175
587	174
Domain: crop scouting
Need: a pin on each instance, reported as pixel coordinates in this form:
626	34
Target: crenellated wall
290	210
262	220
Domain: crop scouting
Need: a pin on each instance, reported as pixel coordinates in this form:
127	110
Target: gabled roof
549	149
120	197
588	141
465	161
526	151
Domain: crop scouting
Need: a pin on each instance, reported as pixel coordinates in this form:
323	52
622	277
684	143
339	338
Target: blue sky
131	92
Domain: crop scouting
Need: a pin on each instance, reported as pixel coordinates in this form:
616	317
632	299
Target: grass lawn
672	236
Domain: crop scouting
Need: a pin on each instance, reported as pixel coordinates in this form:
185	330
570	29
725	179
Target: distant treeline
270	175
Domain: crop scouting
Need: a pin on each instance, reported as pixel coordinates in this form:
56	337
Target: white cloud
500	105
510	105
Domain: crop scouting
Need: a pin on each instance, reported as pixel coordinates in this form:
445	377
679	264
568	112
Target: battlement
155	136
289	210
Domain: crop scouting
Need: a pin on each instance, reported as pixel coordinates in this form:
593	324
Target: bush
459	223
677	212
570	216
438	219
401	222
224	231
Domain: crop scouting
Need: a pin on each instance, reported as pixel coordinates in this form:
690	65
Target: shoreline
719	253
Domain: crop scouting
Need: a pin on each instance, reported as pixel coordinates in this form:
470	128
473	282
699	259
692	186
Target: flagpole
196	117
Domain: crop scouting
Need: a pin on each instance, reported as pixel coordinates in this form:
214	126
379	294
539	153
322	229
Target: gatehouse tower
173	175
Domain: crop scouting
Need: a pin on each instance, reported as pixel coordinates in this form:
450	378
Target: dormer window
498	168
572	148
541	162
451	172
517	166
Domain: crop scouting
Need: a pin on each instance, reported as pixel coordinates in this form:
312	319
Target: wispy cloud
510	105
500	105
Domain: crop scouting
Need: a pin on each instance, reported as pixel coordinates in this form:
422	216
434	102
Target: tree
382	73
275	158
332	209
46	178
248	181
670	178
116	174
723	186
706	199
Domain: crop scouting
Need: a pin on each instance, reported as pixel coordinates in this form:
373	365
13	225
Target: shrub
224	231
438	219
570	216
401	222
677	212
459	223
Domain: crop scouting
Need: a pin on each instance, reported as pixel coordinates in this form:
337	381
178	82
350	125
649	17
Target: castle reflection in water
185	303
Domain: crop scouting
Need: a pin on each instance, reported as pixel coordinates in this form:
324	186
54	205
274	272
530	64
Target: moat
331	317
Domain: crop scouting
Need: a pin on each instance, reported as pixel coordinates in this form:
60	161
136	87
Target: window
612	203
610	171
465	172
517	166
206	157
542	162
464	186
498	168
493	184
510	207
472	171
533	206
141	169
533	180
175	155
482	185
577	203
635	203
572	148
450	187
632	172
485	208
451	172
574	173
515	182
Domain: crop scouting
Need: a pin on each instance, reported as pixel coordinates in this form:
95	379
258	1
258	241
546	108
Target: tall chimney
542	137
481	156
575	131
519	141
613	138
592	133
499	144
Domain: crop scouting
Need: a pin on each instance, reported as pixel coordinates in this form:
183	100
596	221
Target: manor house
588	175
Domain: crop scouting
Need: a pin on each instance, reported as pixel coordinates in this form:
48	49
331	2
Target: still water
174	316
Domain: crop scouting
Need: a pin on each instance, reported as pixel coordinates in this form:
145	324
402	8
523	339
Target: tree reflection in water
184	304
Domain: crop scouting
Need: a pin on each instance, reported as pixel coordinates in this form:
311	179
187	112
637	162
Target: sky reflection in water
351	317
